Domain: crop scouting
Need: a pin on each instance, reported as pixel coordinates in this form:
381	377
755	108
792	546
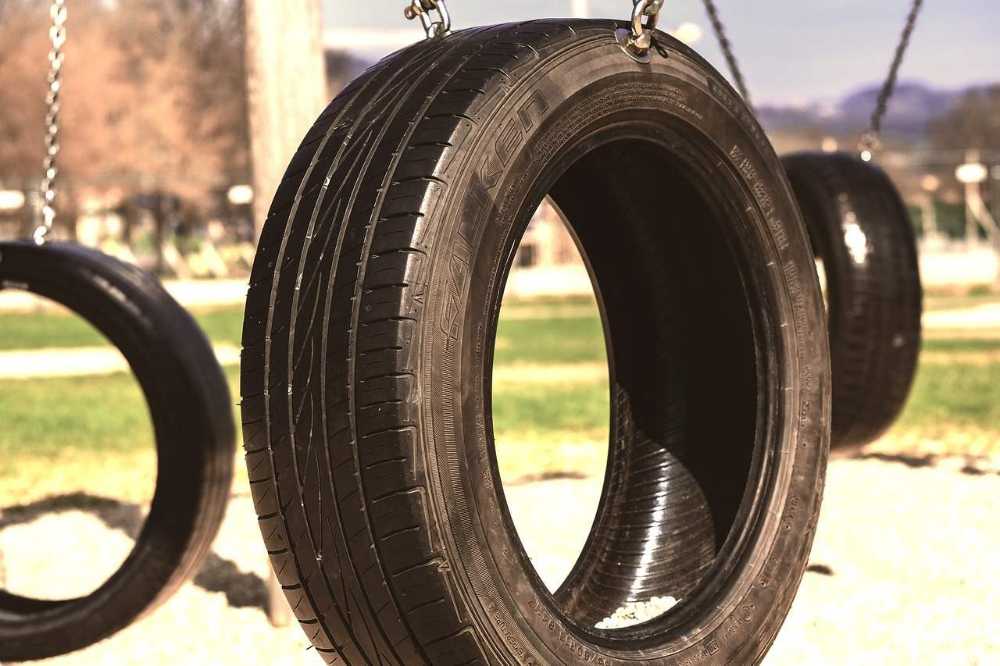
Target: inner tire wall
189	404
860	228
678	320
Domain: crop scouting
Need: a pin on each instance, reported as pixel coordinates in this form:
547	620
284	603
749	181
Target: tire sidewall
534	125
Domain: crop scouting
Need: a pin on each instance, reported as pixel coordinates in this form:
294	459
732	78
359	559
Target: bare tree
153	97
973	123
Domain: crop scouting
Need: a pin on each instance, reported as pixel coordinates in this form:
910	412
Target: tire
861	231
188	400
368	346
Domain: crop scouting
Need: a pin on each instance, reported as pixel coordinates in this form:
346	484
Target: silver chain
57	35
638	39
870	141
434	26
727	50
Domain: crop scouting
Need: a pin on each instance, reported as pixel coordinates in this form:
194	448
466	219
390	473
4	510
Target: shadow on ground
971	467
217	574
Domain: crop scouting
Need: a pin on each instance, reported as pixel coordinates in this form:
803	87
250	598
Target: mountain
913	106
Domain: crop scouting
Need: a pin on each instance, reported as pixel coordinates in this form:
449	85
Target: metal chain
434	27
638	39
727	50
870	141
57	35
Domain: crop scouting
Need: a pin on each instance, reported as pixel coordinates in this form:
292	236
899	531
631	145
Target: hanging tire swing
367	362
188	400
862	233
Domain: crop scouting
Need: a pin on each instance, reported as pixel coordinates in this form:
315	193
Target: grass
958	299
58	329
64	435
953	396
59	435
559	331
558	340
962	345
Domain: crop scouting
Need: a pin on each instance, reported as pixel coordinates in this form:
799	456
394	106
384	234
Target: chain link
637	40
422	9
727	50
50	170
870	141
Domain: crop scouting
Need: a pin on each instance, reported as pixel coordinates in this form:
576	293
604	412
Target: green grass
78	434
952	396
43	331
560	340
970	299
51	329
551	412
961	345
93	433
105	414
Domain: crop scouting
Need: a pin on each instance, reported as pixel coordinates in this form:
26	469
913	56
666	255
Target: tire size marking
583	654
762	196
679	100
733	627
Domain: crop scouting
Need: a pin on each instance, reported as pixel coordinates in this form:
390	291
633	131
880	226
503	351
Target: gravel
637	612
903	571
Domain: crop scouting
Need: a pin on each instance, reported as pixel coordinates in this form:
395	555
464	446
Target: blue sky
792	51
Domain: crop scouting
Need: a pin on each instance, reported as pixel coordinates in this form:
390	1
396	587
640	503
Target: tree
974	125
974	122
286	86
153	98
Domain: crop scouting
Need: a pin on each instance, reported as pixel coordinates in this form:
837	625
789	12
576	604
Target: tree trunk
286	87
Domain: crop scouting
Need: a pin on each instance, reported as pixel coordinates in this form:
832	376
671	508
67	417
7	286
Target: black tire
189	403
861	231
368	348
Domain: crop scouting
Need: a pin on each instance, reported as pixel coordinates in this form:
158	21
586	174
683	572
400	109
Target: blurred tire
189	403
861	231
368	349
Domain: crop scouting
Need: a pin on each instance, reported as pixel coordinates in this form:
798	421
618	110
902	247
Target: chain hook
50	170
638	39
868	145
422	9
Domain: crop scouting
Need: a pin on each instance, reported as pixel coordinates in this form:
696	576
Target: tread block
397	510
404	549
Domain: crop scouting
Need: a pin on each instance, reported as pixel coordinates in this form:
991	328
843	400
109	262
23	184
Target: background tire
189	403
368	354
861	230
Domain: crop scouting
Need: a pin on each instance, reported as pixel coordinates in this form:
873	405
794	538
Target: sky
792	51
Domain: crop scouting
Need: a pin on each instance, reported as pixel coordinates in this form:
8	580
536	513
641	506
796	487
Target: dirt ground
903	571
